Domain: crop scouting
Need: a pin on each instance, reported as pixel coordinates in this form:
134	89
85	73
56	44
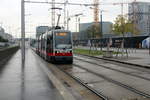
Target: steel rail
148	79
82	83
116	82
85	85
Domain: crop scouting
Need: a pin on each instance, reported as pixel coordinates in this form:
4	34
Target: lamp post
77	20
101	16
77	15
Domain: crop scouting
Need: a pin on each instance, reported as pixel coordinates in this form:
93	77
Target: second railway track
100	93
117	82
127	73
127	87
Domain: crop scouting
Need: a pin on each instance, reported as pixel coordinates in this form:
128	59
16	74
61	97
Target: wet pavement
26	82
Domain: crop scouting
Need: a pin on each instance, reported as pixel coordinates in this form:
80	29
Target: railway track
106	78
100	93
128	87
116	82
127	73
102	96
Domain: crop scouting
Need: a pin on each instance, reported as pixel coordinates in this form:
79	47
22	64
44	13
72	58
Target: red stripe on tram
59	54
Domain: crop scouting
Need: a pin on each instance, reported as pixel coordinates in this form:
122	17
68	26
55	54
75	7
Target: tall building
139	13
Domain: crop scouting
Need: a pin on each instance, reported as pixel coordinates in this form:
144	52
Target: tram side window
44	43
49	44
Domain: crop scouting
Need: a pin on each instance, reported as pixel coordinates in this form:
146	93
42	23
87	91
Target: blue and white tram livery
56	46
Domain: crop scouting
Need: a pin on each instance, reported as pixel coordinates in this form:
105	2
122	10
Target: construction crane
96	11
96	16
53	13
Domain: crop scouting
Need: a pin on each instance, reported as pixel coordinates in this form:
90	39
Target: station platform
27	81
139	57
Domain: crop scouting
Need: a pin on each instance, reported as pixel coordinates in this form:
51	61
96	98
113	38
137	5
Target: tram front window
63	40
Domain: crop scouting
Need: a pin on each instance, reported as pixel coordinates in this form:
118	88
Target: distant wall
5	54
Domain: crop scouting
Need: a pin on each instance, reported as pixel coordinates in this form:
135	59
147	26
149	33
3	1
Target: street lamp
101	18
77	15
77	20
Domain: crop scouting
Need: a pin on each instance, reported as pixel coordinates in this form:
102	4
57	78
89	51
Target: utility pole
76	23
149	43
53	13
65	4
23	30
149	32
68	19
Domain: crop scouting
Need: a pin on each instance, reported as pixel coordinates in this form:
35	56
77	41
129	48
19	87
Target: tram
56	46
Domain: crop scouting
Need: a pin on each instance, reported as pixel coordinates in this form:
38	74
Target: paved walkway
28	82
138	56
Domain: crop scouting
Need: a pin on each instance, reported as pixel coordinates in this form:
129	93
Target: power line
57	3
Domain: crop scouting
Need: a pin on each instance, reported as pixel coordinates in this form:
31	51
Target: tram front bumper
63	58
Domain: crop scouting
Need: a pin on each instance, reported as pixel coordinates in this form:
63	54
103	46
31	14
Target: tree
3	40
123	26
94	31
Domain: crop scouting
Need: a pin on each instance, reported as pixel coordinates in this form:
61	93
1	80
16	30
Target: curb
138	65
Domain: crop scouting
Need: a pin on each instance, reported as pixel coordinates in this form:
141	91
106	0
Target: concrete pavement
26	82
135	56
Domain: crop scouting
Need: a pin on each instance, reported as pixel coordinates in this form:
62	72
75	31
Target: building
139	13
106	29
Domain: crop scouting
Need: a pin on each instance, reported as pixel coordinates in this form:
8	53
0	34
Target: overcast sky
40	15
